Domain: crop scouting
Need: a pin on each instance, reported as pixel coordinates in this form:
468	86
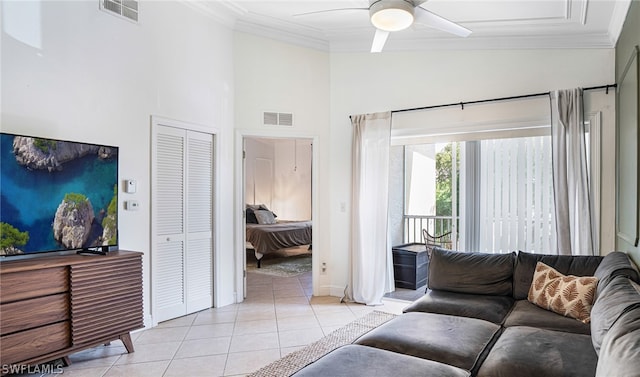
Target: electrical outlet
323	269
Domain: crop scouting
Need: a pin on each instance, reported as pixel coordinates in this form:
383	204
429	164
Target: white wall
275	76
365	83
97	78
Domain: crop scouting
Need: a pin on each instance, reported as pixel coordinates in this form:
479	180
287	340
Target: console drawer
35	283
35	342
35	312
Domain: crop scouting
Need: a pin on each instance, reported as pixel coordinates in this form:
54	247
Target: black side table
410	265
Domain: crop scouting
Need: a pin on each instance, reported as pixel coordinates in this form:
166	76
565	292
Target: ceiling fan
395	15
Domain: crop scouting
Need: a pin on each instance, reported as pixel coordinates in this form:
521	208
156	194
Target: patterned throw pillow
570	296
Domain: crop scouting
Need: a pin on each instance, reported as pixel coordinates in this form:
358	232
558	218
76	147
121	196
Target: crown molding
219	11
618	17
593	41
288	36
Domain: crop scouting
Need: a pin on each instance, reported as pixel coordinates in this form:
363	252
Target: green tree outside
444	192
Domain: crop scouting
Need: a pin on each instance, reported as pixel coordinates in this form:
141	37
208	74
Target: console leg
126	340
65	361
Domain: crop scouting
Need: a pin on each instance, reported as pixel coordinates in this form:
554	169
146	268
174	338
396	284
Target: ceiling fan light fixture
391	15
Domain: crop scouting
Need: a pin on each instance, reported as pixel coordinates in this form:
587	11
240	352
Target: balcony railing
435	225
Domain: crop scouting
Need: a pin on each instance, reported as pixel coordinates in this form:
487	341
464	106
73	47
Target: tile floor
279	316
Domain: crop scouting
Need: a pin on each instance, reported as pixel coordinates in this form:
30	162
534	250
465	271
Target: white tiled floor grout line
194	345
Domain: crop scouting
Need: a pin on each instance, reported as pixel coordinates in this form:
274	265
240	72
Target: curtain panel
570	173
371	262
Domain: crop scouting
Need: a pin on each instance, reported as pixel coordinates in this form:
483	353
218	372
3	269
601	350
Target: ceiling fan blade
424	17
379	39
328	10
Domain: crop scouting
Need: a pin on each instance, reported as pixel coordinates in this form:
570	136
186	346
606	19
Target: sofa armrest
615	264
620	351
617	298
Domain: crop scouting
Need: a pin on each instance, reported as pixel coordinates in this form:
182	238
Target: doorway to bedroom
278	213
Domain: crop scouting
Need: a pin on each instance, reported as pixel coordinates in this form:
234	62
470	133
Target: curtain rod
498	99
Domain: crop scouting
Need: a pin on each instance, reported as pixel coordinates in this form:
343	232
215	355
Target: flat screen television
56	196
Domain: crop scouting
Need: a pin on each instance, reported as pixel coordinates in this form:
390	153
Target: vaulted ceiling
496	24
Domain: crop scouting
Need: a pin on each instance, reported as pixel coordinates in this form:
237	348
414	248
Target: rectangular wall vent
277	119
123	8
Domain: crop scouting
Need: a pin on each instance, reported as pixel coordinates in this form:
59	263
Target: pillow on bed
250	215
265	217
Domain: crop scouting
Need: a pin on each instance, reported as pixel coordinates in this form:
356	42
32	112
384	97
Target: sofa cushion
526	351
568	295
620	350
354	360
615	264
525	313
477	273
458	341
490	308
618	297
565	264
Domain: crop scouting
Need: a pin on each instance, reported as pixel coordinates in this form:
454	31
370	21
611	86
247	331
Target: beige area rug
280	265
297	360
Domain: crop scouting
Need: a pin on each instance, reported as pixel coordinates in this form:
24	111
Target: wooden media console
53	306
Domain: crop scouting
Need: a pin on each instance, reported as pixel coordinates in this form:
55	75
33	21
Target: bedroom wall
291	185
74	72
629	37
292	181
256	148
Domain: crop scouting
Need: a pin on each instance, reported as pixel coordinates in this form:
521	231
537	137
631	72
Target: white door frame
214	131
240	235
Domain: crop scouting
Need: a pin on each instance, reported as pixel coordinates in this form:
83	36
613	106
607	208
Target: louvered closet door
199	178
182	222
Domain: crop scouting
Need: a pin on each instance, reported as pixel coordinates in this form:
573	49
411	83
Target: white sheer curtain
371	262
570	177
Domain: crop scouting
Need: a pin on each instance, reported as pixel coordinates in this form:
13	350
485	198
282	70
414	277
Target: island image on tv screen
56	195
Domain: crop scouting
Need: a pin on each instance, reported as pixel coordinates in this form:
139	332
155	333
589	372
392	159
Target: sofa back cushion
615	264
617	298
476	273
565	264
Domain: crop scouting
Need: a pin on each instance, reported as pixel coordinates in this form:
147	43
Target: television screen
56	195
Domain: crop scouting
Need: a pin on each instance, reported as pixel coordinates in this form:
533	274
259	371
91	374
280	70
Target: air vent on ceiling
277	119
123	8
